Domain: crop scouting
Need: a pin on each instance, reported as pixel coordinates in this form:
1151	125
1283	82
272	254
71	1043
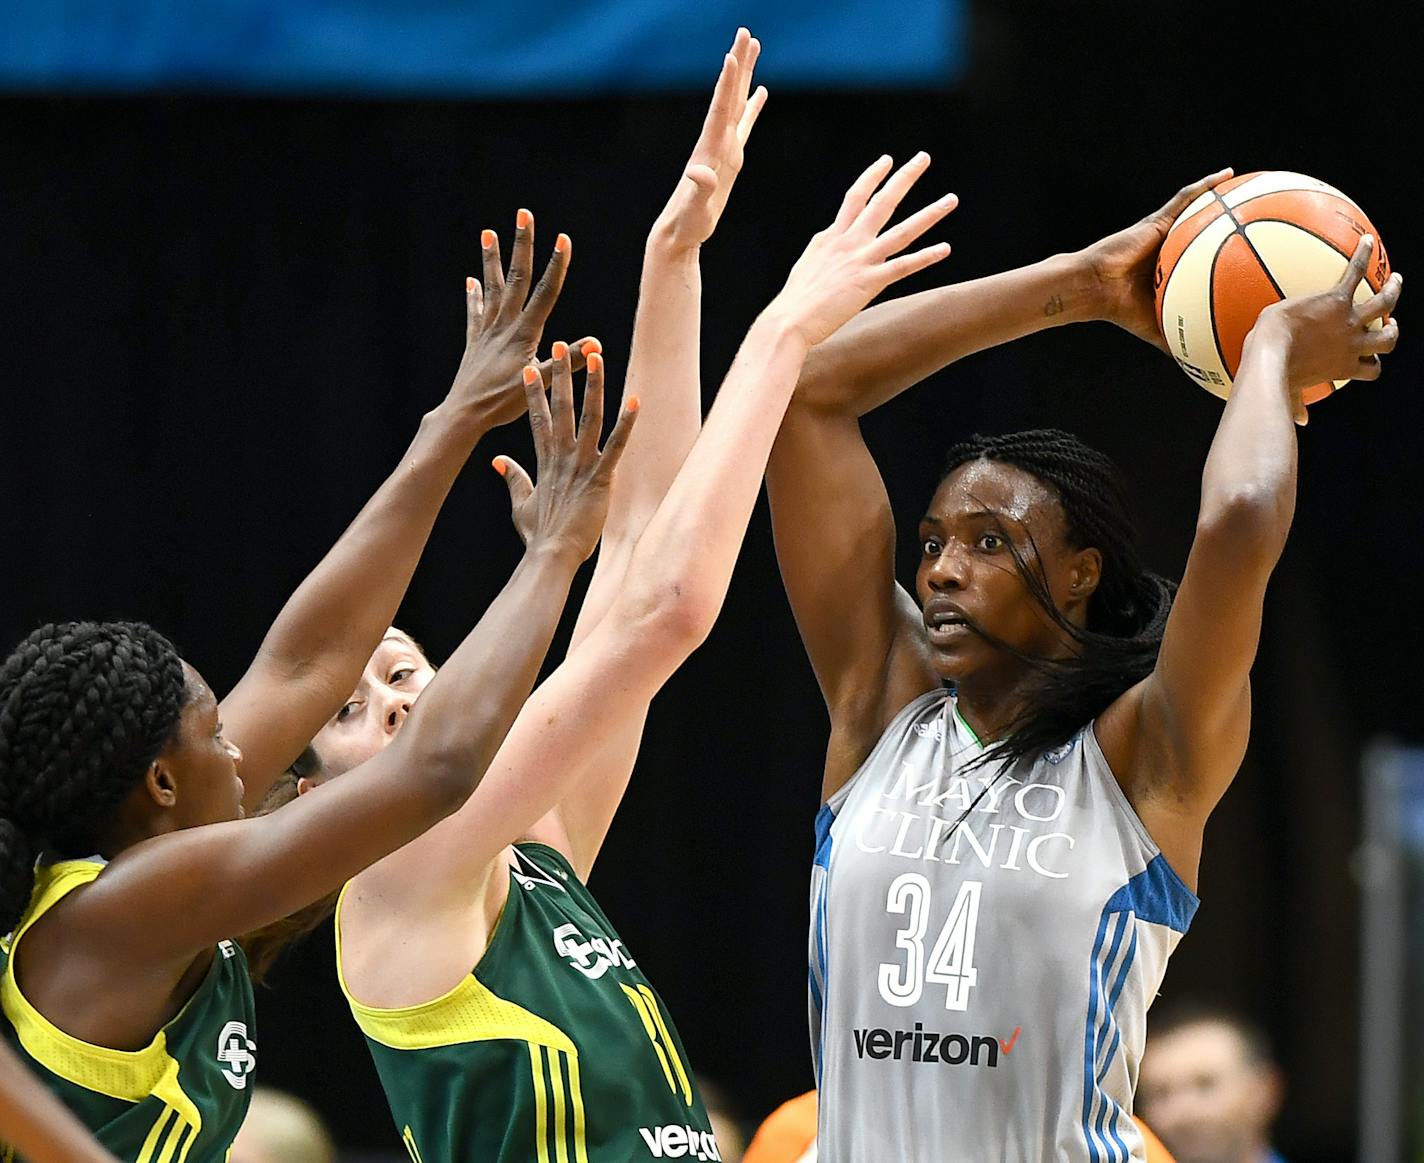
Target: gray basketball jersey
983	951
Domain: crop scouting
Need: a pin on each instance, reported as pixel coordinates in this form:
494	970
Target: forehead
1200	1046
199	694
1001	489
396	642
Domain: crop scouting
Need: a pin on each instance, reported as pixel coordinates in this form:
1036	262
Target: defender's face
394	677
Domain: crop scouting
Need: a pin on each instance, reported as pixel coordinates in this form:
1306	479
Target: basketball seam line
1237	228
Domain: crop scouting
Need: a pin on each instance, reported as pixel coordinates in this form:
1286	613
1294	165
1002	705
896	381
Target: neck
991	704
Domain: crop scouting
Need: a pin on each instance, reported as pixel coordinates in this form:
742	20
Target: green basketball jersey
183	1096
554	1049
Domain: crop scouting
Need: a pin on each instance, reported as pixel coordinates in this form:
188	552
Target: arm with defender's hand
35	1124
831	517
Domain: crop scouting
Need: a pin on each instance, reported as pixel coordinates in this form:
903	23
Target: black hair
1127	613
1169	1017
85	707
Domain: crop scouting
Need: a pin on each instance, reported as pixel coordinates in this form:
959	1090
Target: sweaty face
393	679
1208	1101
203	763
967	576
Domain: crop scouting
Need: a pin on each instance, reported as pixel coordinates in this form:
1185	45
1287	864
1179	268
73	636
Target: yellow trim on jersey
645	1002
552	1097
470	1012
128	1075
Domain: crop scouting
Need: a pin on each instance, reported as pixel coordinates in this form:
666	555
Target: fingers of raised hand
903	233
591	421
909	264
1383	302
577	353
540	421
521	264
618	439
755	105
860	191
1379	342
546	294
1355	270
474	308
521	488
879	210
561	398
493	272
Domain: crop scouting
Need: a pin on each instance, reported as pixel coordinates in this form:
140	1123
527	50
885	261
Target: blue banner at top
468	47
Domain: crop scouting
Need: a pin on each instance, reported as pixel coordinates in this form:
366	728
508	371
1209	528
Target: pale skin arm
36	1124
663	373
831	517
315	650
1176	740
673	588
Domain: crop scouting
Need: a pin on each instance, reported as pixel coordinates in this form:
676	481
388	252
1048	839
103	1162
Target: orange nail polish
561	243
591	346
523	219
498	466
469	285
531	375
486	238
595	362
632	403
561	349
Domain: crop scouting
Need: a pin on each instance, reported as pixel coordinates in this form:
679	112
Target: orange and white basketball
1251	241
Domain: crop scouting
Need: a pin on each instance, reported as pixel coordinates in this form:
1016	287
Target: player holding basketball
1004	865
506	1018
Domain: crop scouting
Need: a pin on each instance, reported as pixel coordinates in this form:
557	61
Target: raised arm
834	531
1177	739
682	565
315	650
187	889
663	373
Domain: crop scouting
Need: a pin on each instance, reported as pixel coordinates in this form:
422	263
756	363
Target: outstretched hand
851	262
504	323
1328	336
570	503
1124	264
696	205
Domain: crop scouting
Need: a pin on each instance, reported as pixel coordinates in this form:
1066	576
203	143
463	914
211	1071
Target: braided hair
85	707
1127	613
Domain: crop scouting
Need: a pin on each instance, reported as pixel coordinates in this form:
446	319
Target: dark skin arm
831	518
115	960
315	650
36	1124
1176	740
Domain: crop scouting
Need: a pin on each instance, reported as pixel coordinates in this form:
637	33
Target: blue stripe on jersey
816	970
1158	896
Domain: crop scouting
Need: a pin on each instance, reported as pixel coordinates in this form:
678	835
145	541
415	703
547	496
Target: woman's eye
931	547
401	675
991	542
348	709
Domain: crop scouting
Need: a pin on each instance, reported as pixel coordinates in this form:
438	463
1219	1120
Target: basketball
1250	242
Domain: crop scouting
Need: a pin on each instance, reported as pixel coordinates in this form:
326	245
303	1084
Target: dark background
224	317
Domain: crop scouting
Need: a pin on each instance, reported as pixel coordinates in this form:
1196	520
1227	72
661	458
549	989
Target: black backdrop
223	318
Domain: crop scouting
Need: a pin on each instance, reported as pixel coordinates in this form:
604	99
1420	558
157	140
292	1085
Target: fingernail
561	243
922	156
595	362
531	375
469	285
523	219
590	347
499	465
632	403
486	238
561	349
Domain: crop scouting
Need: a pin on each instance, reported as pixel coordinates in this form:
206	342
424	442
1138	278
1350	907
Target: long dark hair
85	707
1127	613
